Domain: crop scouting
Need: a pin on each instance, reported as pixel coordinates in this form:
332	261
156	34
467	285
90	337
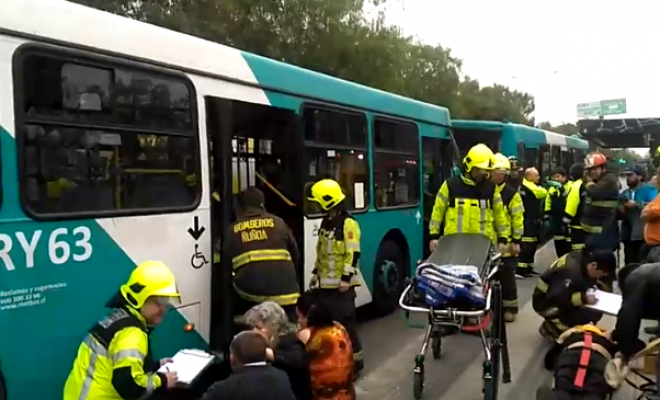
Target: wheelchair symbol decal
198	260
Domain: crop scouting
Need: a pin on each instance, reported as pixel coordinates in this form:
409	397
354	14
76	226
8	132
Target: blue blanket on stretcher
444	285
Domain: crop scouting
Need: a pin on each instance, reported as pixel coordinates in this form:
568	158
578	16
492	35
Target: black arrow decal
196	231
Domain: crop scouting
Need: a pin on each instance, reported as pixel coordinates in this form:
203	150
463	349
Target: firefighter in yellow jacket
336	270
264	255
114	361
515	212
469	203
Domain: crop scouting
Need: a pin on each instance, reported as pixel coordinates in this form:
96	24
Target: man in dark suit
253	378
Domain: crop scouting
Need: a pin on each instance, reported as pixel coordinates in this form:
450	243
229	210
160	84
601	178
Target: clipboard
608	303
188	364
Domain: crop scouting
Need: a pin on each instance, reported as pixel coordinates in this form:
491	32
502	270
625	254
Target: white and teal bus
114	136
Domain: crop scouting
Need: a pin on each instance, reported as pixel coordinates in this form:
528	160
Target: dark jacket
259	382
291	357
264	256
562	288
641	300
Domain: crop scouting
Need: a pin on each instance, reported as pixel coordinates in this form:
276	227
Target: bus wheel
388	277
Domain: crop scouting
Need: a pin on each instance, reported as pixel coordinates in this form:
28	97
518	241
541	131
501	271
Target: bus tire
389	275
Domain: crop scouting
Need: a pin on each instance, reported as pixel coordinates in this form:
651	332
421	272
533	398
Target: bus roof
62	22
529	134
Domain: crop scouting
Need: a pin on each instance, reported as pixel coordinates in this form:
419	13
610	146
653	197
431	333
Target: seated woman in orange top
329	349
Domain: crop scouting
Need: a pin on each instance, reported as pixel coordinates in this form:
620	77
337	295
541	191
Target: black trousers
527	252
562	247
632	251
577	238
345	314
509	286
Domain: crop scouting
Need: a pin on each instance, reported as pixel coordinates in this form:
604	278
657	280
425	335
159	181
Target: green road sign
602	108
613	107
588	109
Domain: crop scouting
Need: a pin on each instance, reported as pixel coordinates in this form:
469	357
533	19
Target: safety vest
574	205
470	208
515	211
258	245
555	204
338	251
100	355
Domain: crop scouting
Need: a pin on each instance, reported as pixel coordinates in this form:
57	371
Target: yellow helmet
657	151
479	156
501	162
151	278
327	193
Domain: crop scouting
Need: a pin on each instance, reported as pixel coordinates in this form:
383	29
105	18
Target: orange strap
584	361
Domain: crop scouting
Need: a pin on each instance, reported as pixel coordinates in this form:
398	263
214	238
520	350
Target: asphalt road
390	348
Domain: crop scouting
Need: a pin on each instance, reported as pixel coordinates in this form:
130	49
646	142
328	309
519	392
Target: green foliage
564	128
349	39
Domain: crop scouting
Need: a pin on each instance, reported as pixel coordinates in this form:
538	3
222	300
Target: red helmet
595	159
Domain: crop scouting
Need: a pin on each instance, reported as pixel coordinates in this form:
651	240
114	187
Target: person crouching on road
578	360
640	292
114	361
253	378
515	214
336	270
563	290
264	255
285	351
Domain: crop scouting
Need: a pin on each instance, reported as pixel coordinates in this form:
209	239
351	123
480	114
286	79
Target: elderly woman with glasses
285	351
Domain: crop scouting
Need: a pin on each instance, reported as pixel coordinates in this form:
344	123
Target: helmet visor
167	301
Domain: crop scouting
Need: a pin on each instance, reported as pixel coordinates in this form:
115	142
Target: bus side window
336	148
555	157
531	158
103	138
544	161
396	163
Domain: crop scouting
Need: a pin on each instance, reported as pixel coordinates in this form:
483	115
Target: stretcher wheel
418	385
418	379
436	345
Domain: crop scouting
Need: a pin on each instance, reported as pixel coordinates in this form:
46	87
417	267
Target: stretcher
487	321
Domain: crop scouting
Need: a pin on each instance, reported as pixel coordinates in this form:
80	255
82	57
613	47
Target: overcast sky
564	52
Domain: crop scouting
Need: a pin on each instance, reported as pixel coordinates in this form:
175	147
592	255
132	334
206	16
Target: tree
564	128
339	38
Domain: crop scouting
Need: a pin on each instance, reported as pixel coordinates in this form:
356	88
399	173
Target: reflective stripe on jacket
264	255
515	212
464	207
562	287
114	361
338	251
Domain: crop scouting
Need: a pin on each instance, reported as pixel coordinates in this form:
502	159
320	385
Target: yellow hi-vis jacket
571	216
338	251
515	212
467	208
113	361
